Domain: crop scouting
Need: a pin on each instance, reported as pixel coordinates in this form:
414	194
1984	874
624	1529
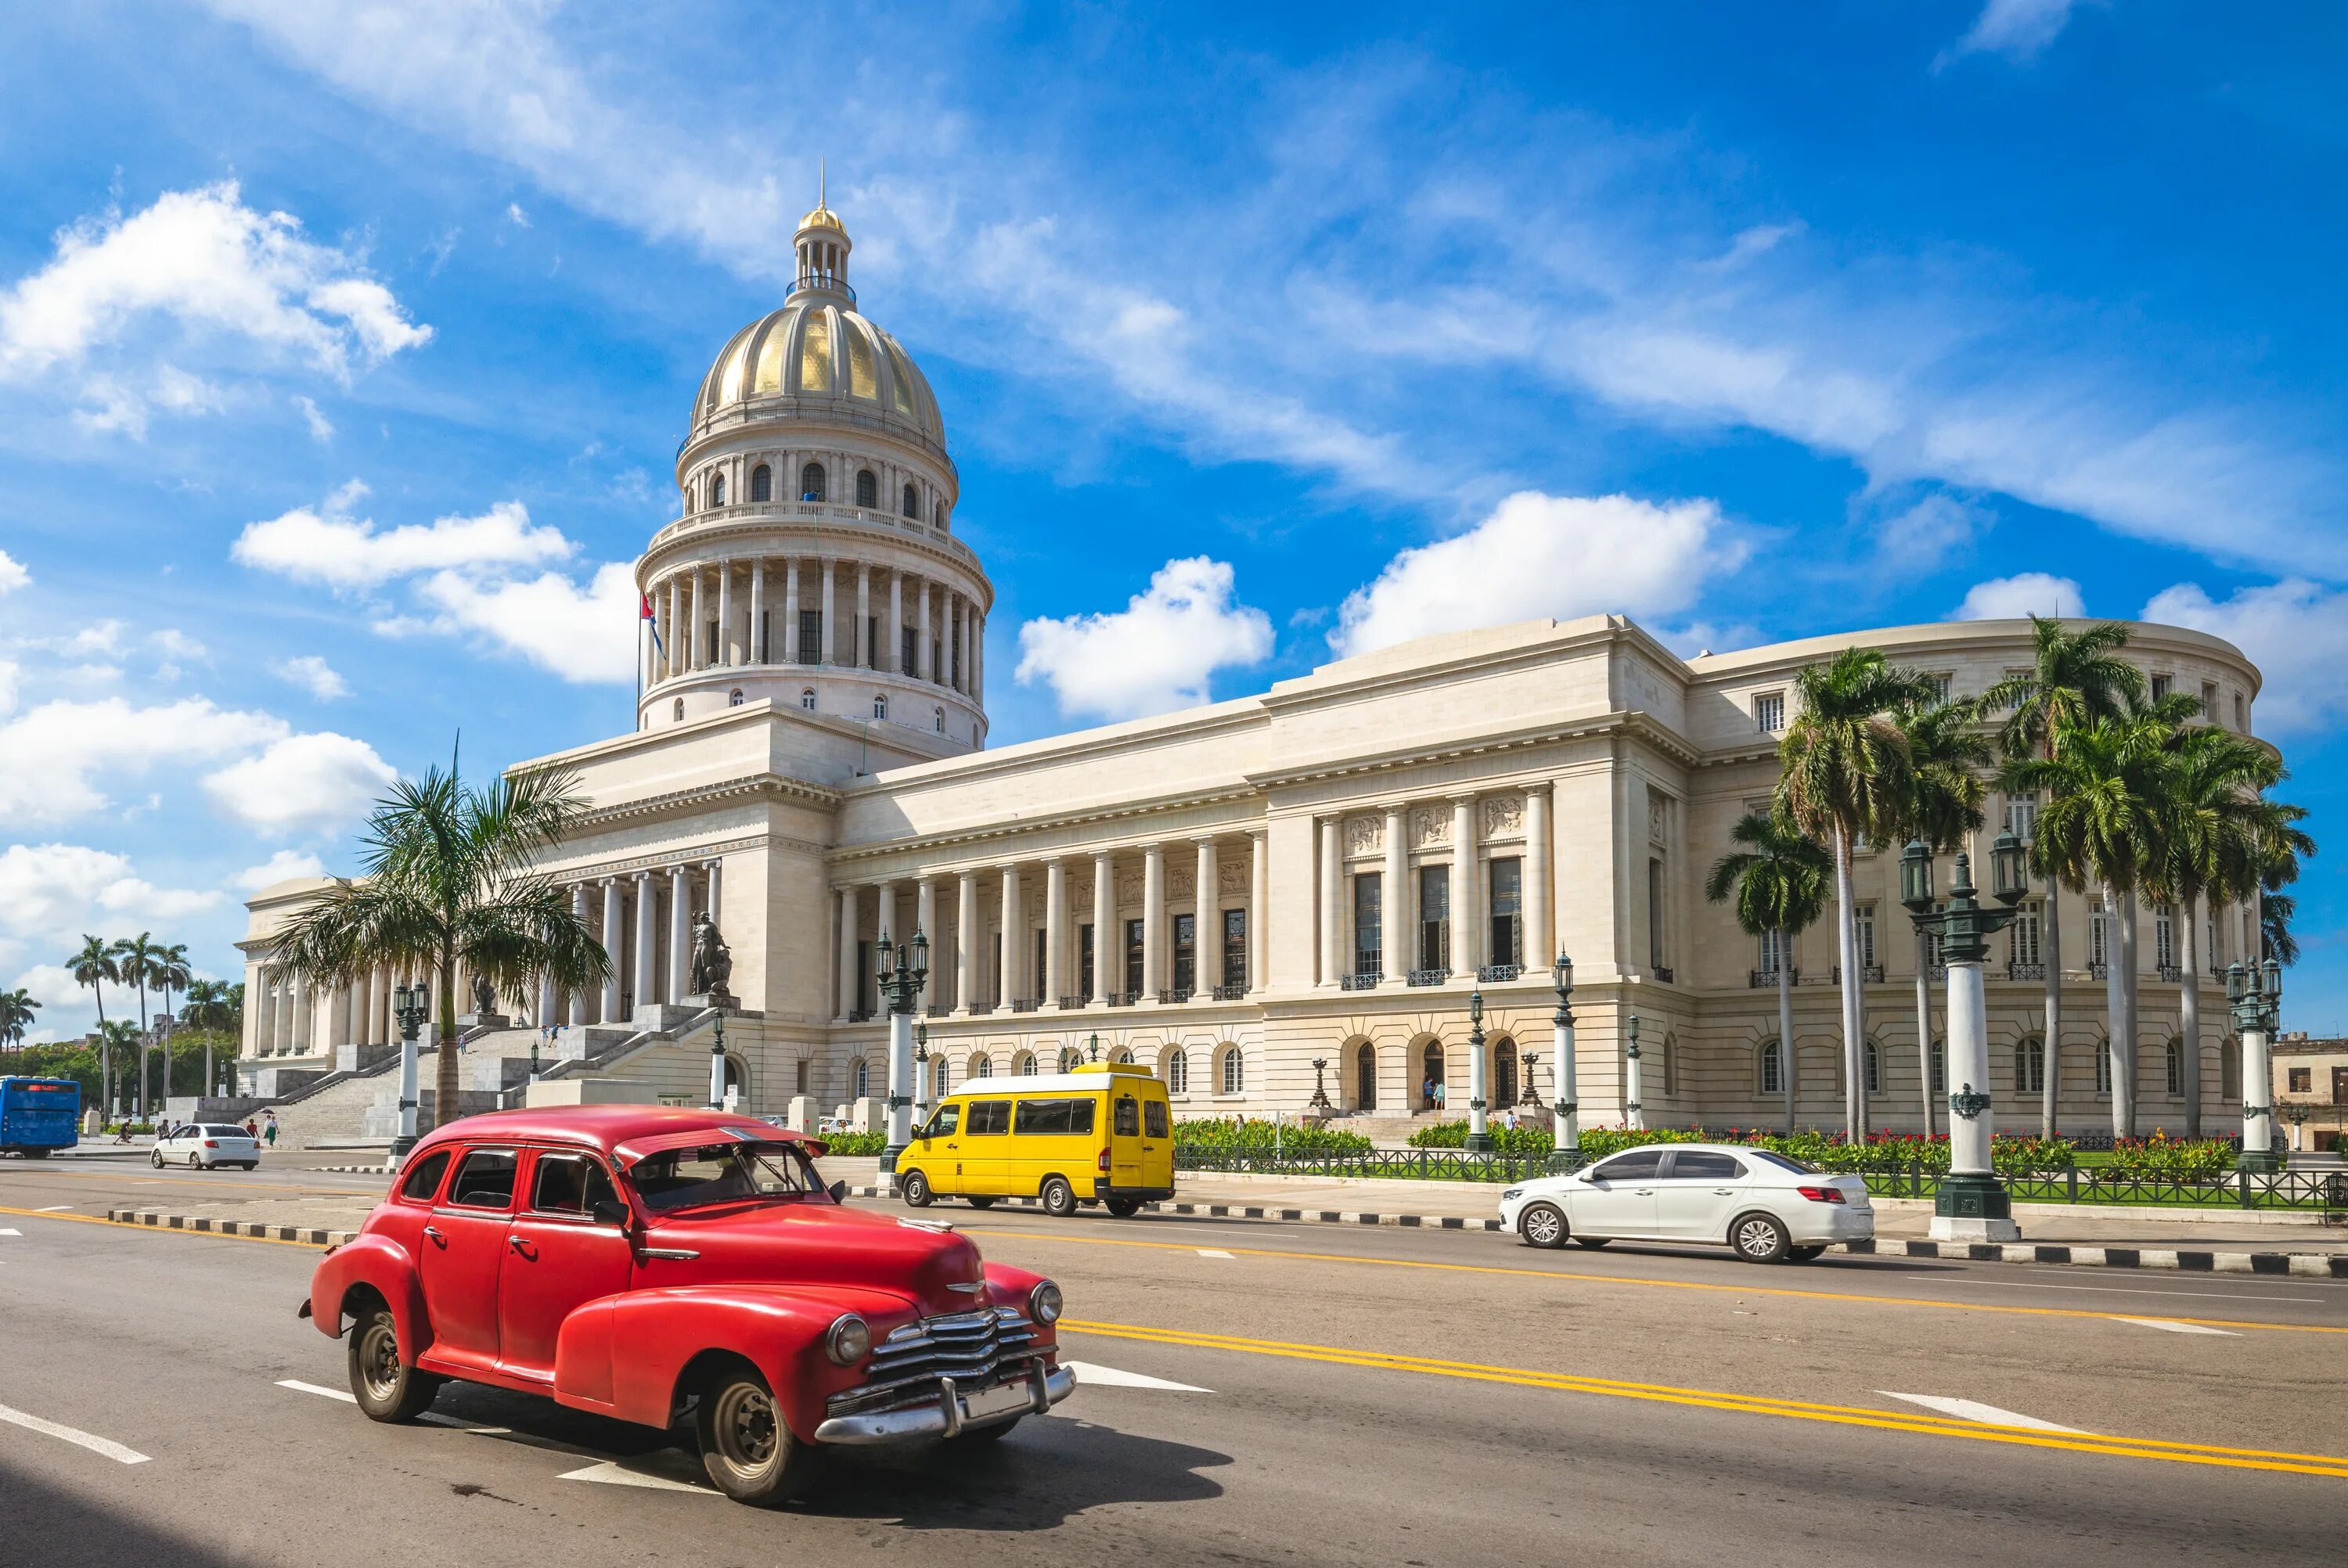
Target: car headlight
1044	1303
848	1341
1512	1192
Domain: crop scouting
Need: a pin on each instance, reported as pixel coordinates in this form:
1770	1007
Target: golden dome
823	217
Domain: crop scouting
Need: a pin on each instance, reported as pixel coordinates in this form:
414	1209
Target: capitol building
1295	889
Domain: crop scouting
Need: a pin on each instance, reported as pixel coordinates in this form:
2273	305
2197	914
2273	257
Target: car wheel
1805	1253
386	1388
1592	1242
156	1159
1757	1238
195	1162
746	1448
980	1202
1542	1225
253	1165
1123	1208
1059	1198
914	1188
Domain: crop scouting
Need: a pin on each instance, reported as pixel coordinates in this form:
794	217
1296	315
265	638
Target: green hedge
1232	1133
854	1143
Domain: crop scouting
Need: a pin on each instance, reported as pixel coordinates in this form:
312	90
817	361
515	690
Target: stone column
864	651
753	651
965	939
613	951
1541	937
1334	917
298	1026
977	657
1108	946
829	618
925	923
695	649
921	661
1467	902
846	972
647	939
1153	920
725	615
680	931
714	871
1258	901
1207	924
894	656
546	1001
576	1004
1055	930
1394	934
1015	972
962	665
791	611
885	923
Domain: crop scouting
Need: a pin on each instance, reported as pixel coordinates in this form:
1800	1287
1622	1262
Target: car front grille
976	1349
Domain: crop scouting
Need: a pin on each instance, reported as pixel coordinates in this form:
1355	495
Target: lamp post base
2259	1162
1973	1206
889	1162
1480	1143
1564	1161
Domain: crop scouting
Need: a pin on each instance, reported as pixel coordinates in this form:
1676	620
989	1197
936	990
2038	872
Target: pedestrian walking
269	1129
1440	1098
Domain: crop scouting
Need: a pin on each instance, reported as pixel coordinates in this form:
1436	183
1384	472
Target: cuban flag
650	619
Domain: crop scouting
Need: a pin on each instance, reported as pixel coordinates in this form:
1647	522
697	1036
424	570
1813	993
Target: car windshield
1786	1163
723	1174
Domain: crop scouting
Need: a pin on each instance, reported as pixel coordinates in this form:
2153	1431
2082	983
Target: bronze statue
485	996
713	960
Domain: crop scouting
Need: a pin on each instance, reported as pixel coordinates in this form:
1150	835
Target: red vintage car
651	1263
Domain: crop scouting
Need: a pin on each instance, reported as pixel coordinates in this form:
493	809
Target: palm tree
1947	754
134	957
449	884
206	1008
93	967
1779	882
2276	911
1845	774
2074	679
16	1011
170	973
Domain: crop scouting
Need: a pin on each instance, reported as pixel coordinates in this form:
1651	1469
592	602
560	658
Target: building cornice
729	792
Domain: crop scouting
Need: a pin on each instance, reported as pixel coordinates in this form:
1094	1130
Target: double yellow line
1745	1404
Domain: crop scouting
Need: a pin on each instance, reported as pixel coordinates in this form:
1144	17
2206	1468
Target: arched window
1432	1075
806	698
1023	1065
1233	1071
2174	1056
1070	1059
941	716
717	490
1504	1073
1121	1055
912	504
733	698
868	489
940	1070
941	514
981	1066
1769	1069
880	706
1366	1077
762	482
679	715
2029	1066
1874	1069
860	1073
1178	1073
812	482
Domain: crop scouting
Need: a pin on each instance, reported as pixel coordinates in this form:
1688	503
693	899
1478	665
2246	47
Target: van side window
989	1116
424	1180
1055	1117
943	1122
1153	1116
1127	1123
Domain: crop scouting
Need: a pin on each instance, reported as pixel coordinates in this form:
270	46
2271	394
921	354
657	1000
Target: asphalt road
1349	1396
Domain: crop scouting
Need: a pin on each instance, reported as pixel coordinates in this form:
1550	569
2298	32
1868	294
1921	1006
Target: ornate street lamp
1320	1100
1565	1150
410	1005
2296	1114
1529	1097
922	1083
1633	1113
903	970
1479	1132
1972	1205
2254	992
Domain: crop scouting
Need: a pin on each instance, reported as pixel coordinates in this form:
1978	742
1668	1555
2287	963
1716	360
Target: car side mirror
608	1212
838	1191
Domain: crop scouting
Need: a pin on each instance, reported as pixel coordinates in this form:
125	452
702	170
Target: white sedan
208	1144
1760	1203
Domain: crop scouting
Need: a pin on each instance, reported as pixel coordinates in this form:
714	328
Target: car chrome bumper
954	1412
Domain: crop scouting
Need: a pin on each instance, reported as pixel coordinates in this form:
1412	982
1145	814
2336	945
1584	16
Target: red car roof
605	1127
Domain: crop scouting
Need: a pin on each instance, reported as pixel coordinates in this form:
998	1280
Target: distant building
2311	1092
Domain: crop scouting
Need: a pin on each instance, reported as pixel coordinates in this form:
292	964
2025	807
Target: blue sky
344	349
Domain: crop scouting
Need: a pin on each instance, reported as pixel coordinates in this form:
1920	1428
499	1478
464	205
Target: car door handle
1644	1192
1724	1192
522	1244
432	1234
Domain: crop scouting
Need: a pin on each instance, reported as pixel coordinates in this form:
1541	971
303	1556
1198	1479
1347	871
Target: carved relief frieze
1504	816
1365	835
1429	826
1232	876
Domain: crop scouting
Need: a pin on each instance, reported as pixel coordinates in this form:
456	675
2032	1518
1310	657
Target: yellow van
1103	1134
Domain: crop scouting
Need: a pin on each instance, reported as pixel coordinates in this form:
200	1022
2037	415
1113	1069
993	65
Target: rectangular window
1154	1120
2162	685
1124	1117
1084	961
865	982
1062	1118
1036	975
2024	934
989	1118
766	618
1769	712
810	636
2241	720
2209	700
1656	957
909	651
2340	1086
485	1181
1133	957
1506	878
937	670
872	640
1434	916
2302	1080
2164	940
2021	815
1185	952
712	640
1866	917
2096	936
800	1079
1235	954
1771	949
1940	683
1369	937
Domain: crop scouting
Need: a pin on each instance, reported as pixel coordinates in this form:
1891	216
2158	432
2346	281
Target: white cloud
327	545
309	784
179	650
2295	632
1158	654
63	756
321	429
13	575
221	273
2018	29
1920	537
2025	593
584	635
50	895
282	867
515	216
1538	554
313	675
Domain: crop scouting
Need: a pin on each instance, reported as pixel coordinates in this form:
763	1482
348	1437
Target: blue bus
38	1114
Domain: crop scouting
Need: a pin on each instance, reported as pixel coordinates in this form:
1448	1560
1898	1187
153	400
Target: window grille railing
1426	976
2017	972
1173	994
1367	980
1230	991
1499	974
1767	979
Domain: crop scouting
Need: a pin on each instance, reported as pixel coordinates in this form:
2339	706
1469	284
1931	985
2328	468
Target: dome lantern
823	245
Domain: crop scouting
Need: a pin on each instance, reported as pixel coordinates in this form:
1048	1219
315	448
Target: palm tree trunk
1786	1024
444	1070
1924	1029
2114	1010
2129	999
105	1059
140	1100
2050	938
2188	1011
1854	1017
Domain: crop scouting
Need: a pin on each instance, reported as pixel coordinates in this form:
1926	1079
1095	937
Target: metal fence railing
1394	1164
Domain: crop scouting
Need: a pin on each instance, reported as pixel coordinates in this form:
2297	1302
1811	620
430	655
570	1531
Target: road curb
311	1235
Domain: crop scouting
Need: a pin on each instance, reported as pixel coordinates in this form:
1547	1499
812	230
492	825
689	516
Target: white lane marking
1091	1376
2173	1327
11	1232
1973	1410
96	1445
1212	1252
610	1472
299	1387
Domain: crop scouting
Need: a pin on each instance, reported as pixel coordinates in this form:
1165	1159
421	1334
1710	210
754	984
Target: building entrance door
1366	1077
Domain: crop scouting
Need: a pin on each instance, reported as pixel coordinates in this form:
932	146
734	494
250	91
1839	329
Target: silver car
1762	1204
